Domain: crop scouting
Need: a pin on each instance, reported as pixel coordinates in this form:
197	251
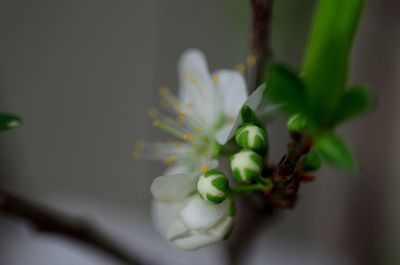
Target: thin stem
46	220
260	41
244	188
264	186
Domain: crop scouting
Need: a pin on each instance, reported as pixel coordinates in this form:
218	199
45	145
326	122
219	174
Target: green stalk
326	61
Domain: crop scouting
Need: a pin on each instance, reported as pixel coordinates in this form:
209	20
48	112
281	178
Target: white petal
269	113
176	229
178	168
195	241
223	133
232	91
223	228
198	214
256	97
206	162
163	214
254	102
196	86
173	187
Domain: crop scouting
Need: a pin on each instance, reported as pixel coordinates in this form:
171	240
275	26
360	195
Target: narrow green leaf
354	102
286	88
334	150
9	121
326	61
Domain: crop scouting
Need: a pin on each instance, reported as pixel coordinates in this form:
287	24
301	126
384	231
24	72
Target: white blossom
183	217
203	117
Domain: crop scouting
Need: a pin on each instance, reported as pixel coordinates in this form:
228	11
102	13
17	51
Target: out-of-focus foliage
319	92
9	121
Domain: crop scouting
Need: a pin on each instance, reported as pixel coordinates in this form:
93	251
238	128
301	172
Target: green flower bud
246	166
213	186
251	137
311	161
296	123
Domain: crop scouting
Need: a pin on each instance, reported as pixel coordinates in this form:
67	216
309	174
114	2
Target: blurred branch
50	221
260	40
254	209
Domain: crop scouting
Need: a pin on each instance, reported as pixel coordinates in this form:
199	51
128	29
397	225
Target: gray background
82	74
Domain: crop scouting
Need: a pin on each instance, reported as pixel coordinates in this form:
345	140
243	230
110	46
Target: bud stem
238	189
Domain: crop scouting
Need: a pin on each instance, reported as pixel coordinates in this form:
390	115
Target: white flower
204	116
185	219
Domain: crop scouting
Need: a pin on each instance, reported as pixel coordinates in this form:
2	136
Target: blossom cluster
193	202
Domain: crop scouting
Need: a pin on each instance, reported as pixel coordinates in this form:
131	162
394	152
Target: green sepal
214	198
335	151
249	116
221	184
9	121
354	102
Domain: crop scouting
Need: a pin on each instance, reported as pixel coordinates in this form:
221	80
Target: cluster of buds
248	164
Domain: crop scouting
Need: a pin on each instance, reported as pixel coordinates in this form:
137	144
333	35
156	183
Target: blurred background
83	73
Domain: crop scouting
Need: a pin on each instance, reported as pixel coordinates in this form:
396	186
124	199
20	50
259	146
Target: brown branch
286	176
260	41
50	221
299	146
256	209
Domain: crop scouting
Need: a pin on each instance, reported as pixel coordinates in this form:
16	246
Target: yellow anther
215	78
251	60
164	90
198	129
204	169
240	68
181	113
189	105
153	112
185	136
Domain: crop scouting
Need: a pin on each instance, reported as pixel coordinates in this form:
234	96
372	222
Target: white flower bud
213	186
251	137
246	166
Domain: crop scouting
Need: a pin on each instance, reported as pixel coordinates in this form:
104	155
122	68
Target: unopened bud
311	161
296	123
246	166
213	186
251	137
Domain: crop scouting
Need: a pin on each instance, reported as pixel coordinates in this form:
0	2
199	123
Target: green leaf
354	102
334	150
9	121
286	88
325	65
